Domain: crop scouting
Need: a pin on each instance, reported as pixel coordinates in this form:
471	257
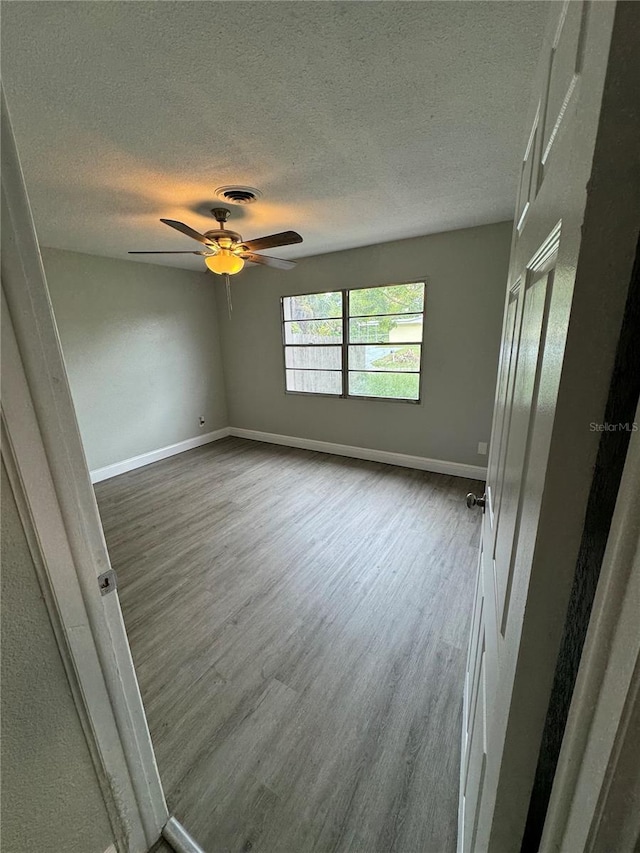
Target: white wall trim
388	457
143	459
422	463
45	444
599	733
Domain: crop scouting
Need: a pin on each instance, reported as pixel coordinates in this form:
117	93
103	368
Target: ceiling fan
226	251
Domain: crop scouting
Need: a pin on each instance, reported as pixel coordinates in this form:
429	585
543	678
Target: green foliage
313	306
394	385
315	332
392	299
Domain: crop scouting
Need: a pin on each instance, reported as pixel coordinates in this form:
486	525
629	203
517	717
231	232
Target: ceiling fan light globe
225	262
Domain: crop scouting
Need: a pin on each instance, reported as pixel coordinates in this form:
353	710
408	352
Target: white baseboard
422	463
156	455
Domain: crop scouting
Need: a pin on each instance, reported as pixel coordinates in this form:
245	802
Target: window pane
314	381
313	332
384	357
393	299
323	358
403	386
393	327
313	306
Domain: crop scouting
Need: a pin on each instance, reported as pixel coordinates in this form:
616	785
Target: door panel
476	767
528	175
565	63
502	416
472	655
474	677
522	409
473	750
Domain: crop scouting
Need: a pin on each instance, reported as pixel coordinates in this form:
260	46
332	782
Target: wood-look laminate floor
298	623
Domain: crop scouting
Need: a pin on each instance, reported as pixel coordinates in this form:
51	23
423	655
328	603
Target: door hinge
107	582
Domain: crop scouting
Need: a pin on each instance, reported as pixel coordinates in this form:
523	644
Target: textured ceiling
359	121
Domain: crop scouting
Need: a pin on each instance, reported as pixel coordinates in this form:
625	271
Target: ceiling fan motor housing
221	214
215	236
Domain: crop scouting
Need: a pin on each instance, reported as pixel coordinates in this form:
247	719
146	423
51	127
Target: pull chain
228	288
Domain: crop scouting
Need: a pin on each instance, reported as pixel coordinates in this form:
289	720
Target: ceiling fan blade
277	263
170	252
184	229
284	238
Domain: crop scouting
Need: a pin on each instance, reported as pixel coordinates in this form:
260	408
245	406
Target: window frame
345	344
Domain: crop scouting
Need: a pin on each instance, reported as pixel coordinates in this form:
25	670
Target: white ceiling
360	122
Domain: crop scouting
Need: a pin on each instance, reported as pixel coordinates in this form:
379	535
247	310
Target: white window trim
344	345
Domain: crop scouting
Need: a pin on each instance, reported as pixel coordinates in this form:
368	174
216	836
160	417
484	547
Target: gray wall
51	799
142	347
142	351
466	274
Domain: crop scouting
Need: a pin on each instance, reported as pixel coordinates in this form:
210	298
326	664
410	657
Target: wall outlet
201	421
482	448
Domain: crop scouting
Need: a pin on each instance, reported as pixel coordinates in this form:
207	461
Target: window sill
353	397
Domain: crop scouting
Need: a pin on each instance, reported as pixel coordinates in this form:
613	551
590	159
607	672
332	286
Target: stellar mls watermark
608	427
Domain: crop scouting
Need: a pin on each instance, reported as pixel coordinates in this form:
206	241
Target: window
355	343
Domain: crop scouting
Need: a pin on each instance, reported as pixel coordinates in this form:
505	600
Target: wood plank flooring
299	625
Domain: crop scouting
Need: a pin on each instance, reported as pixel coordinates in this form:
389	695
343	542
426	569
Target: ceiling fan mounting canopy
220	214
226	250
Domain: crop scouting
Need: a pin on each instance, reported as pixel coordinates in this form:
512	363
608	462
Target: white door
550	386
